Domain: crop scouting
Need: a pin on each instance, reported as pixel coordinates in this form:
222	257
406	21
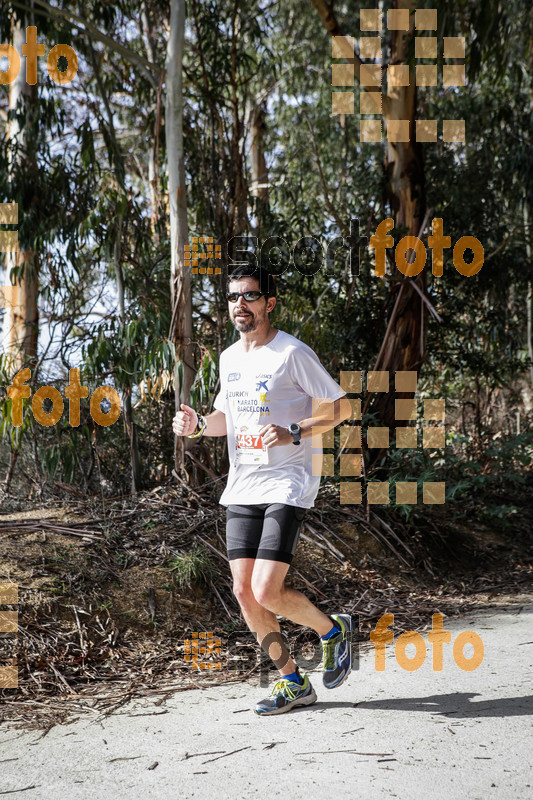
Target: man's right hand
185	421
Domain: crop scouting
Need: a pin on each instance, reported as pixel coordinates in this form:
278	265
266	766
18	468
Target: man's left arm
327	415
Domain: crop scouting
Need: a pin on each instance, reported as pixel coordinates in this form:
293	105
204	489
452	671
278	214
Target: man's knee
243	592
266	595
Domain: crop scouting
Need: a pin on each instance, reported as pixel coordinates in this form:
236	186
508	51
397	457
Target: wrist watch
295	431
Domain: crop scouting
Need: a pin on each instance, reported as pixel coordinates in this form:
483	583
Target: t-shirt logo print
261	385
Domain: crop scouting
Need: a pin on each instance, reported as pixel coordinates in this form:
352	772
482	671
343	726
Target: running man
268	380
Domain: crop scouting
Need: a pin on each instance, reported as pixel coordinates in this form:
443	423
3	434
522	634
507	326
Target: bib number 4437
250	448
250	440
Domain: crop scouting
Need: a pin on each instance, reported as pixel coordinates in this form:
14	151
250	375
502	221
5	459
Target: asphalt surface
421	734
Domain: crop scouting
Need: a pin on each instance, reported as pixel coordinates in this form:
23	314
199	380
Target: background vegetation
243	115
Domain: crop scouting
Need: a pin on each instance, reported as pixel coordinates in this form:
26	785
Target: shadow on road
454	705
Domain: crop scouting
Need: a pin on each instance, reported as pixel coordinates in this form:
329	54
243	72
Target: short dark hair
267	284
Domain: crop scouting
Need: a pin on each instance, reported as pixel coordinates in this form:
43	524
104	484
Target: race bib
249	447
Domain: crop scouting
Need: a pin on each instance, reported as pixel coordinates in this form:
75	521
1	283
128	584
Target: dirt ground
425	734
103	618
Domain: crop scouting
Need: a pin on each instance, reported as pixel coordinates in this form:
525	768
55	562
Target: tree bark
116	157
237	209
180	278
21	321
405	344
529	296
404	347
10	470
130	428
259	185
153	155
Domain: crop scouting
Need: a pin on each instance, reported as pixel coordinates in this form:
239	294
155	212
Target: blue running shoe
286	695
337	651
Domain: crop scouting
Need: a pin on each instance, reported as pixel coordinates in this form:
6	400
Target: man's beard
245	325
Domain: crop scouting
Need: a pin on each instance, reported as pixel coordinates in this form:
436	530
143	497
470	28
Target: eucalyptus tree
50	188
496	45
21	322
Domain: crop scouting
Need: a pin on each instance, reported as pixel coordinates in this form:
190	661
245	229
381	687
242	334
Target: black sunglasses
249	296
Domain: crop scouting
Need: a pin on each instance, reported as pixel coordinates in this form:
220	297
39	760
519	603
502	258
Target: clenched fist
185	421
275	435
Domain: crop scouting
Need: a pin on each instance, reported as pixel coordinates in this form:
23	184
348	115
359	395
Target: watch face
294	428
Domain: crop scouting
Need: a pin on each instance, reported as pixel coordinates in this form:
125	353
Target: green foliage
8	432
472	475
194	567
203	388
86	206
61	449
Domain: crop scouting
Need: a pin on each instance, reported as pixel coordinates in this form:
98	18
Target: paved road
424	734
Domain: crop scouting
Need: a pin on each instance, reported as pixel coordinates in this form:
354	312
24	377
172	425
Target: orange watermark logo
372	100
74	391
404	436
31	51
193	255
241	647
9	624
437	636
381	241
198	649
312	254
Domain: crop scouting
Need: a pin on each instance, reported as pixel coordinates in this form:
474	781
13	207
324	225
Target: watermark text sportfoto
309	257
74	391
309	654
437	636
31	51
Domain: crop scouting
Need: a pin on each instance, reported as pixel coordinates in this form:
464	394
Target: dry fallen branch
79	652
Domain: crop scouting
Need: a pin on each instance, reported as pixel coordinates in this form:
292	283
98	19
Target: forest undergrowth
111	590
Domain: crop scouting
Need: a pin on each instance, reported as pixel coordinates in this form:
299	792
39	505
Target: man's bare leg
261	621
268	586
259	587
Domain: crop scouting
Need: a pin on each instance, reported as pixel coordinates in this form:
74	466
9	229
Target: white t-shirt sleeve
220	399
308	373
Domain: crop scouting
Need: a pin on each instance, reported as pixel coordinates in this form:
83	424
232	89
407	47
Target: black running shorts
269	530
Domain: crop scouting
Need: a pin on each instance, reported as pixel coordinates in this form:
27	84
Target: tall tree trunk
404	347
529	297
10	470
130	427
21	321
237	208
116	158
180	278
153	155
259	185
527	232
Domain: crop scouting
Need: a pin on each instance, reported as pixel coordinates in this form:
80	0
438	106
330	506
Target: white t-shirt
274	384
